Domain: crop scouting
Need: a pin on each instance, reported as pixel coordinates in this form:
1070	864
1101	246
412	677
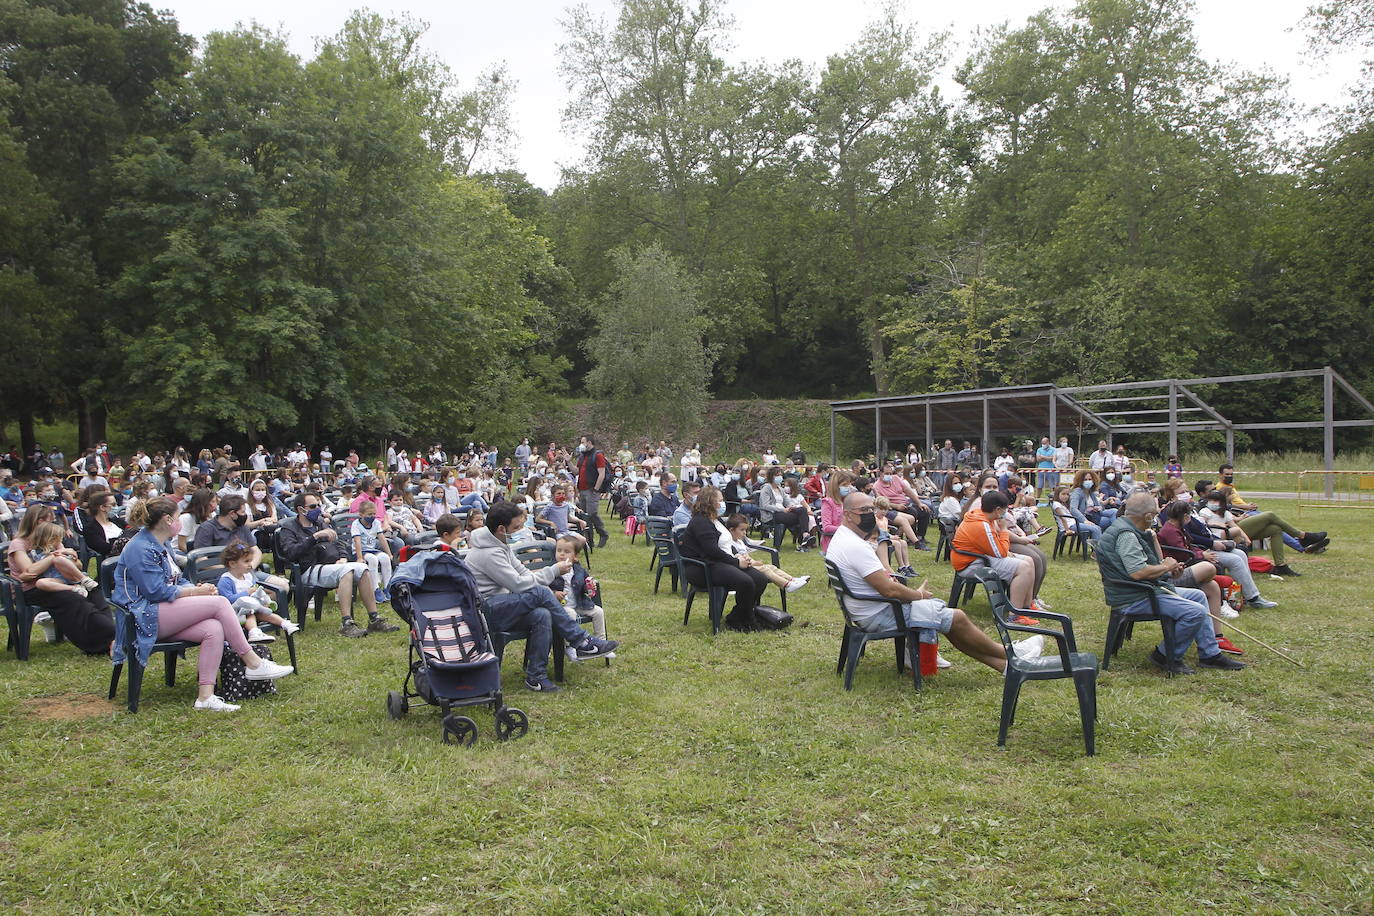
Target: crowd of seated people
98	504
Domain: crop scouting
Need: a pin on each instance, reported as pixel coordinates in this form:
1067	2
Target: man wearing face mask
866	578
308	540
665	502
593	479
683	513
519	600
233	486
229	524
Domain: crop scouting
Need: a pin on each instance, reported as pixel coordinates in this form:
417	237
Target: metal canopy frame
976	413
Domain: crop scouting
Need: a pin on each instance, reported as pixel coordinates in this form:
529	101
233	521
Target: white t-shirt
1004	464
1063	457
856	559
258	460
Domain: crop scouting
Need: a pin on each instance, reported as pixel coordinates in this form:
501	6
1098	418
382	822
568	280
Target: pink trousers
208	620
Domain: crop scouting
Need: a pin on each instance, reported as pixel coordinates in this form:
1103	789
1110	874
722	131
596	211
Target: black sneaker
1221	661
541	685
1318	545
1312	537
1285	570
603	540
378	625
351	630
596	648
1160	662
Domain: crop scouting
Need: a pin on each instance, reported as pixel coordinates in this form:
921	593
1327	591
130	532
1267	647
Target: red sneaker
1025	621
1226	645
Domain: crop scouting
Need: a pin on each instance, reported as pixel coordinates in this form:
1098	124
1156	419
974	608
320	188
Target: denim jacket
144	577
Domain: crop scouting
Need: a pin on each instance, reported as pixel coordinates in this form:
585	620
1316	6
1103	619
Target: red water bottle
928	653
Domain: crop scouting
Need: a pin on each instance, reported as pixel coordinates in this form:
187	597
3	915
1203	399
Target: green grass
726	774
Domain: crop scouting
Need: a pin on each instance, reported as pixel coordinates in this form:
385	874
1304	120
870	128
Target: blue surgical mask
1125	478
887	478
735	478
672	489
313	515
957	487
845	490
1087	484
720	510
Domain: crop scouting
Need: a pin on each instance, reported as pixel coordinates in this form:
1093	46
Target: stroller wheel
396	704
511	723
460	730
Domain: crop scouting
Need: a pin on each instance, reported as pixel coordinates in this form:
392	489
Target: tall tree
84	74
649	360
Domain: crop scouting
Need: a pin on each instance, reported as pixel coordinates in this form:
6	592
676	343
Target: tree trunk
27	439
99	420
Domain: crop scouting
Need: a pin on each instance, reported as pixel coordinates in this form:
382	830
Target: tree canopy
236	241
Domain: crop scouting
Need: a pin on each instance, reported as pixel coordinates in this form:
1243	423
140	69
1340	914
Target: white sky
471	36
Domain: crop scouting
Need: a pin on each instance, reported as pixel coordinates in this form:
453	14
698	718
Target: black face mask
1227	478
868	522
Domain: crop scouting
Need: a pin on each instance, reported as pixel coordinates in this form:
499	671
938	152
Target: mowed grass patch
719	774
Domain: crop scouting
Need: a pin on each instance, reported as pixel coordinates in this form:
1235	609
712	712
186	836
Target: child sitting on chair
370	546
63	575
578	591
740	546
251	602
562	516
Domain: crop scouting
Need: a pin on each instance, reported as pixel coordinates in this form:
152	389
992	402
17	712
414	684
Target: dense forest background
230	241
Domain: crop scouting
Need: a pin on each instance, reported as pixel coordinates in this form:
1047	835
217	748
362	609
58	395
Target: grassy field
718	775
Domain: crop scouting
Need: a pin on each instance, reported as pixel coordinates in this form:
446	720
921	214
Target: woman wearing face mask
262	514
1086	507
720	476
701	541
773	509
840	485
163	605
1111	492
952	499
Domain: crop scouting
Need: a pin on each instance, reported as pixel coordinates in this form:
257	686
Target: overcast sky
471	36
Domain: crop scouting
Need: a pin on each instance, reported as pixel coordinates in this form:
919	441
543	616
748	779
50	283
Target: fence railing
1335	490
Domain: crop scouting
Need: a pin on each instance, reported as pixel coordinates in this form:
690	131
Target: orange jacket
978	534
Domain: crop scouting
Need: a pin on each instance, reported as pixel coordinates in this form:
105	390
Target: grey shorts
1005	567
328	575
932	613
1186	579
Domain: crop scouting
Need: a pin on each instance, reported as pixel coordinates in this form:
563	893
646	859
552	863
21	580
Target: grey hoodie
496	569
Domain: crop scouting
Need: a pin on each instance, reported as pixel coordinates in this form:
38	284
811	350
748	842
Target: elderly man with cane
1128	551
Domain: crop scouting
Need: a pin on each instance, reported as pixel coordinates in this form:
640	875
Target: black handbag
771	618
233	682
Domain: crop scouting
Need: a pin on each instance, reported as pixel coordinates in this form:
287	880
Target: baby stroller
451	660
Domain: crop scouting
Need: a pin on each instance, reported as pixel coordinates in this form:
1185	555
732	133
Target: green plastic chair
855	639
1081	666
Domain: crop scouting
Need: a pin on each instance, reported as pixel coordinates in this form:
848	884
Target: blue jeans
533	613
1188	610
474	501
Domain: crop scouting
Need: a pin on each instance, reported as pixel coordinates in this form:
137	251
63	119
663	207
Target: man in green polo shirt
1128	551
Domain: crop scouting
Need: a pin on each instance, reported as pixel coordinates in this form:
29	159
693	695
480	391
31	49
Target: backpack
234	685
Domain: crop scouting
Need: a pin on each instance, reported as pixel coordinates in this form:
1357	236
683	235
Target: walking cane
1282	655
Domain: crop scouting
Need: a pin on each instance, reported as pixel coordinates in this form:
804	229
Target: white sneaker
267	671
797	583
215	704
572	654
1030	648
1227	612
257	635
289	627
942	662
44	620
